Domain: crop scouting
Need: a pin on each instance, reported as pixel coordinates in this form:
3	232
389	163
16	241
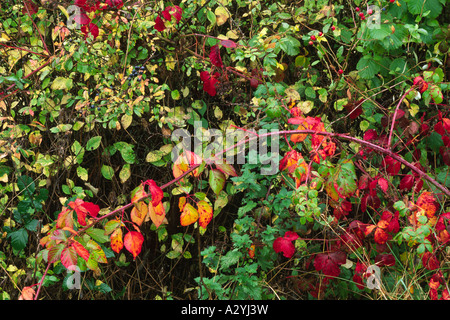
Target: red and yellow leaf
138	193
116	240
189	215
133	241
184	162
181	203
226	168
68	257
139	212
157	214
65	218
205	212
80	250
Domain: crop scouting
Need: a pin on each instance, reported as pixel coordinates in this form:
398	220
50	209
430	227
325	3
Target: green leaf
98	235
125	173
107	172
367	67
19	239
25	183
93	143
216	180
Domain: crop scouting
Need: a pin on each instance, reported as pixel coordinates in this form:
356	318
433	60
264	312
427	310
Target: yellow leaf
222	15
189	215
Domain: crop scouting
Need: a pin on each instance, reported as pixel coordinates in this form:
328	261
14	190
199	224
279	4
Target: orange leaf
139	212
27	293
157	214
428	203
206	213
133	242
80	250
189	215
116	240
251	251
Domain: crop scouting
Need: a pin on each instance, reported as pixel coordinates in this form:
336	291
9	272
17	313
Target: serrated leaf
68	257
80	250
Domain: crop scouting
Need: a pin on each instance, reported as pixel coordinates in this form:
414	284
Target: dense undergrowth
345	196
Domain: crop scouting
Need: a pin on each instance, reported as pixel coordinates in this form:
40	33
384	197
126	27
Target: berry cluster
137	72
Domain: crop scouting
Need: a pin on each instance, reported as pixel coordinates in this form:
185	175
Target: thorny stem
375	147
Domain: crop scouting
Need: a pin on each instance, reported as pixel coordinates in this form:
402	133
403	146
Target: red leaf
117	4
92	28
80	250
214	56
159	24
29	7
91	208
68	257
228	43
382	182
329	262
156	192
82	19
80	211
370	134
387	260
430	261
88	5
133	242
209	82
407	182
285	245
